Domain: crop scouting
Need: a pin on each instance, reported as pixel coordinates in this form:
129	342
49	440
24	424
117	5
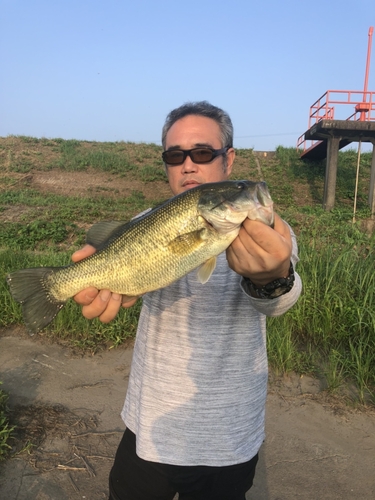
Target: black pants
132	478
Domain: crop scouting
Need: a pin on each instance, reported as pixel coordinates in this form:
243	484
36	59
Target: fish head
225	205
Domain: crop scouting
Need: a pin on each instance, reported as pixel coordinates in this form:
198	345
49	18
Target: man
195	404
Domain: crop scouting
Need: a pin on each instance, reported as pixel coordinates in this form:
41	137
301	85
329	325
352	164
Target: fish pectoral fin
102	231
206	269
188	242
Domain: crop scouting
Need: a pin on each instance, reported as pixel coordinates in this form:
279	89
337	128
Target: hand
260	252
102	304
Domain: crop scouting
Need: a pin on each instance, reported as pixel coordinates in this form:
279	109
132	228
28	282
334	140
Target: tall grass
6	430
331	329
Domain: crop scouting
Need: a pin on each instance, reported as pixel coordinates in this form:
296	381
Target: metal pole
370	32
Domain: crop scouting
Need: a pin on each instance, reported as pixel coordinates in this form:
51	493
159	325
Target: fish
150	252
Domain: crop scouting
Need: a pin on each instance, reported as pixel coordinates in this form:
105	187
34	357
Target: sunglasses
197	155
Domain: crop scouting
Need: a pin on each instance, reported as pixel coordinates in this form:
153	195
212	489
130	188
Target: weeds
331	329
38	234
6	430
77	209
333	323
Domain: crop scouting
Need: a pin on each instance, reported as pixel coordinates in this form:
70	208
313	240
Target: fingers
86	296
104	306
265	237
260	252
83	252
259	240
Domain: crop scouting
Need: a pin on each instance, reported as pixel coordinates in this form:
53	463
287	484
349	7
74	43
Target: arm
102	304
264	254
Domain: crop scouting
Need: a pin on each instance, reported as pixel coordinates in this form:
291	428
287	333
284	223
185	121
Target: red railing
324	109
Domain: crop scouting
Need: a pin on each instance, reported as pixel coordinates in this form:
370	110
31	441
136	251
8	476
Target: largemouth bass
149	252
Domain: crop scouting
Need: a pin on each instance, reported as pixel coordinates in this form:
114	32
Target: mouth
190	183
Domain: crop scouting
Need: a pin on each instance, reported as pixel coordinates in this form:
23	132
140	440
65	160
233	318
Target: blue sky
110	70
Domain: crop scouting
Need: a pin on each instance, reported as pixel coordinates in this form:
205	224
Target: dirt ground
68	405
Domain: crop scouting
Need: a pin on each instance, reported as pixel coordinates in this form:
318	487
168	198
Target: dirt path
69	407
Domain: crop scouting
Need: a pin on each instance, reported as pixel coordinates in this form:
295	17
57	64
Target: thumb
83	252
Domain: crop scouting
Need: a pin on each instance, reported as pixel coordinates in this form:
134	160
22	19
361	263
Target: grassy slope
330	331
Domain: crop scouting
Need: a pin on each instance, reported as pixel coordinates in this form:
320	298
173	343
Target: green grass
330	332
49	221
82	209
23	154
38	234
6	430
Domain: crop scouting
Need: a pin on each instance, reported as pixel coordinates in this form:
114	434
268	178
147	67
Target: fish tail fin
30	288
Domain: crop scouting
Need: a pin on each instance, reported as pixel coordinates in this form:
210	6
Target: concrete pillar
371	196
331	173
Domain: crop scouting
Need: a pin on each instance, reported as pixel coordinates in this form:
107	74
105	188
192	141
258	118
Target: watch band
274	289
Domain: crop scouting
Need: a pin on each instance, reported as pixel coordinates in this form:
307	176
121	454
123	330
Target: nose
189	166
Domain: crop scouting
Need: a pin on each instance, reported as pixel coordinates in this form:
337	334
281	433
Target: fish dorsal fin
101	232
206	269
188	242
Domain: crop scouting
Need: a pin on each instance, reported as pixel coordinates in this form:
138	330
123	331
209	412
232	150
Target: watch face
280	290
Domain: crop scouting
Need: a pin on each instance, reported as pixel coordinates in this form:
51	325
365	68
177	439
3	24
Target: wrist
273	289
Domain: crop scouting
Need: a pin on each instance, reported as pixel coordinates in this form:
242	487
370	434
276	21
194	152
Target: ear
230	159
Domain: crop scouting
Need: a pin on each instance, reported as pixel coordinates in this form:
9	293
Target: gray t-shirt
198	380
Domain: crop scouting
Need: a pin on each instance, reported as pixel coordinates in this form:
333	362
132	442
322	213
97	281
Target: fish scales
142	258
150	252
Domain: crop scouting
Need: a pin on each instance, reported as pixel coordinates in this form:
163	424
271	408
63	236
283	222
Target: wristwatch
274	289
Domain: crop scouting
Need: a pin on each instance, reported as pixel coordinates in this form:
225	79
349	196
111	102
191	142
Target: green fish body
149	252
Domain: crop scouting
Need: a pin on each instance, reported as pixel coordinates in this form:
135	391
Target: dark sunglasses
197	155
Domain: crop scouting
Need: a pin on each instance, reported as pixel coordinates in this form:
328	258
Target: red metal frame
363	101
324	109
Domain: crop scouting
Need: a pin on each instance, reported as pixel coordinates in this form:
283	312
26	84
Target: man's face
191	132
